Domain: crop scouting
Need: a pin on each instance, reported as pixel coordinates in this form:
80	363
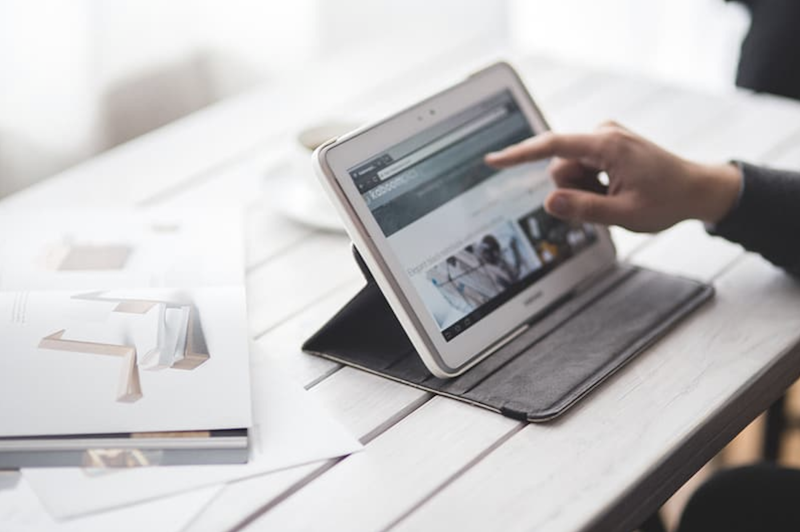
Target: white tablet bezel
444	358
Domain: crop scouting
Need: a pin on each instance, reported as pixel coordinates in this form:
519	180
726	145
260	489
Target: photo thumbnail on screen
500	264
554	240
484	269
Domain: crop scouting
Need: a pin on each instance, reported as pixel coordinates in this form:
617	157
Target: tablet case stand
567	351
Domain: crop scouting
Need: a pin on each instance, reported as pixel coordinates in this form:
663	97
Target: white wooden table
431	463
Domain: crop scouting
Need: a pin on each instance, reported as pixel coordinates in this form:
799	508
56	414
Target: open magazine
122	324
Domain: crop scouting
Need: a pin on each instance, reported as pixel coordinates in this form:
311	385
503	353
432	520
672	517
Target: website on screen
469	236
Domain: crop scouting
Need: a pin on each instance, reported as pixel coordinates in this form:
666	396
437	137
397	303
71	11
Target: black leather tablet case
566	352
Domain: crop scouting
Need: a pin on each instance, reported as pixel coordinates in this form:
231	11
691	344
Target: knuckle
560	179
557	165
610	124
608	141
616	142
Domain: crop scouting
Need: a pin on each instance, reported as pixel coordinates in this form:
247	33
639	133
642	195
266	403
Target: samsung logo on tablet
532	298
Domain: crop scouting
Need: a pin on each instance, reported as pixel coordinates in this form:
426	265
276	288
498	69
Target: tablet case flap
562	356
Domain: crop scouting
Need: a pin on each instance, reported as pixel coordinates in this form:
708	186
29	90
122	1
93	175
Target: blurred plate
304	202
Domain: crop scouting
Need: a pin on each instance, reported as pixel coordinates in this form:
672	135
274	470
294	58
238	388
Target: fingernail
492	155
559	205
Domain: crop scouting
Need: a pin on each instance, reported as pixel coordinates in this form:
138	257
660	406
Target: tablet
464	253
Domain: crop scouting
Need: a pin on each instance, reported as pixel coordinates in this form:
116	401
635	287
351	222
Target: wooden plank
628	242
686	249
393	472
564	475
606	97
681	116
546	80
270	234
243	497
284	341
380	404
756	125
248	185
786	155
302	275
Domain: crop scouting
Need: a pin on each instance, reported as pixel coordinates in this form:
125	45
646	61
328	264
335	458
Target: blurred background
79	77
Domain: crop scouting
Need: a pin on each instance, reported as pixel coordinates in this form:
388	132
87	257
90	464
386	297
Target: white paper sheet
290	429
21	511
239	500
51	389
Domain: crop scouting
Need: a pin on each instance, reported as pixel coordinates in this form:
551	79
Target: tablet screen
470	237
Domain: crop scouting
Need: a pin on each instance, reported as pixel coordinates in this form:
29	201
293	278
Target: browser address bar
444	142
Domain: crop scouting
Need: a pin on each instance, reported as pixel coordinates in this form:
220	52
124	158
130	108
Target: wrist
716	191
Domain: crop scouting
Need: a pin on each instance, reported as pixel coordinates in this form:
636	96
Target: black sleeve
767	217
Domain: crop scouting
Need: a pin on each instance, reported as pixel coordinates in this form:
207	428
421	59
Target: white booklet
281	437
123	323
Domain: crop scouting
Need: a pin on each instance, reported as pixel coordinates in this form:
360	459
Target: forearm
767	217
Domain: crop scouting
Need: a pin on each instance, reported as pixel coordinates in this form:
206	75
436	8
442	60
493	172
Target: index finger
585	147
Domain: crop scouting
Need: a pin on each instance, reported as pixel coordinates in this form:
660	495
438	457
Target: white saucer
303	201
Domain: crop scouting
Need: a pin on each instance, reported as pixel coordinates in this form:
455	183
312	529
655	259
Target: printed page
123	322
107	362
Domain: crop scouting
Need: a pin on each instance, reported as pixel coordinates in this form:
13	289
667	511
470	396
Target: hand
649	189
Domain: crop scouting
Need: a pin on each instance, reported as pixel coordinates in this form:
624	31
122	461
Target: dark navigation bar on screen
414	178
